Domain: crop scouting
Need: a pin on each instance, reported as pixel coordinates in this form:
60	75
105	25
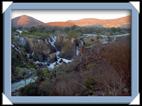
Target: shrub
45	87
30	90
90	83
90	66
43	74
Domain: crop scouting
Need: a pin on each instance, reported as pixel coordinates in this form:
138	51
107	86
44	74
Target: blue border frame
71	99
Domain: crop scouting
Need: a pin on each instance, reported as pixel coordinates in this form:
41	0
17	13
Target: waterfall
17	85
19	31
77	51
52	41
17	49
50	66
57	54
22	41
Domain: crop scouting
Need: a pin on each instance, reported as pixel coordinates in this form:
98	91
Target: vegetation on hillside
100	70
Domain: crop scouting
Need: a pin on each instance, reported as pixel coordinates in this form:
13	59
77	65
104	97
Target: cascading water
52	41
77	51
17	49
59	60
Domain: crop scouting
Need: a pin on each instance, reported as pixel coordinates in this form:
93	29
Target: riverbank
97	72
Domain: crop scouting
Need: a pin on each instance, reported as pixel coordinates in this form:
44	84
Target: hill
119	22
26	22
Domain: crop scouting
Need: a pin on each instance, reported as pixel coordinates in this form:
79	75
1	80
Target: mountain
119	22
26	22
61	24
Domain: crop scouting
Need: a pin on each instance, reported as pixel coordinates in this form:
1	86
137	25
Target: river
50	66
17	85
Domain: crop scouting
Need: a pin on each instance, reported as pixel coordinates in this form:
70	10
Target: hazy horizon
65	15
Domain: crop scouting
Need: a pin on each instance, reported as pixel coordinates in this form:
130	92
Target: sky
64	15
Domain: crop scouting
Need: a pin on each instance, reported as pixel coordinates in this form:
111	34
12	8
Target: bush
90	83
30	90
43	74
45	87
73	34
67	50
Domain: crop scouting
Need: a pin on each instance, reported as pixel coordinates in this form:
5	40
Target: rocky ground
70	64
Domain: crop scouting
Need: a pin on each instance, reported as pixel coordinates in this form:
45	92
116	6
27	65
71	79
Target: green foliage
19	72
43	74
30	90
30	65
34	32
90	83
73	34
37	34
67	78
91	66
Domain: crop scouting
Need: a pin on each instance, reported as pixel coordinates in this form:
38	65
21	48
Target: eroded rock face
52	57
39	46
22	41
42	50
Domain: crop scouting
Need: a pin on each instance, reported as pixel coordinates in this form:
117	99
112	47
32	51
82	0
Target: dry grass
100	71
103	70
